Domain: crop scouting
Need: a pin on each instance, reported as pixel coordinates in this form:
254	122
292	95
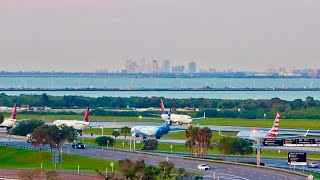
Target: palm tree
125	130
115	133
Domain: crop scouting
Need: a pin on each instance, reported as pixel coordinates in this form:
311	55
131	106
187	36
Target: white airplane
272	133
78	125
156	131
176	118
9	122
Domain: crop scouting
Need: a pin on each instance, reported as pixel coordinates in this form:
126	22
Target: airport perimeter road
221	171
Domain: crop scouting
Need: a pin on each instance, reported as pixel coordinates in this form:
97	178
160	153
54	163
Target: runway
220	171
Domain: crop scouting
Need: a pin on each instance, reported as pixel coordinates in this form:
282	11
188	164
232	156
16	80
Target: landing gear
180	123
144	137
137	135
157	137
8	128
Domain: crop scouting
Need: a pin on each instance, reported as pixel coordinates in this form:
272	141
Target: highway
222	171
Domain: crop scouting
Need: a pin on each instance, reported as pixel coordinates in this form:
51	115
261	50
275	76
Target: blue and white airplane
156	131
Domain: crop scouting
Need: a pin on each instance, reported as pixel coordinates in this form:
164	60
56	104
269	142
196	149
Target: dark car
78	145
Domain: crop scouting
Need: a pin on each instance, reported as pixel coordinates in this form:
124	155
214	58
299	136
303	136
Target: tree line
307	108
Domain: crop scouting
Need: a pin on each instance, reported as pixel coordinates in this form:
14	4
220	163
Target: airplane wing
153	114
151	118
175	131
198	118
293	136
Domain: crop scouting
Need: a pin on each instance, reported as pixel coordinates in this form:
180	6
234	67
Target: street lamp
107	144
101	130
171	148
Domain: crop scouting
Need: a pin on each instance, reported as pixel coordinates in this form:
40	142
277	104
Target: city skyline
82	35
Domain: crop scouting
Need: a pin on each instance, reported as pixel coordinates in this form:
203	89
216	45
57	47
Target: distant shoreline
160	89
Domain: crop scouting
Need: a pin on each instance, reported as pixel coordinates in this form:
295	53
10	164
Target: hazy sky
83	35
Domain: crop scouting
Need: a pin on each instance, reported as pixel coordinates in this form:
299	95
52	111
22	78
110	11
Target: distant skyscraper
177	69
131	66
192	67
155	66
142	65
165	66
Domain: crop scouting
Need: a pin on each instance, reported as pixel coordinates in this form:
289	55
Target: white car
312	165
203	167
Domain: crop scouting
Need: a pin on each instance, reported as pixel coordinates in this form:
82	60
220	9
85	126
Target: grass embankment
22	158
284	123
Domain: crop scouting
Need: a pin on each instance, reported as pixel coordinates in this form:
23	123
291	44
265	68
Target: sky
85	35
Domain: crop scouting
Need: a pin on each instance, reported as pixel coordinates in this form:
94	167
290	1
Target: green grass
21	158
284	123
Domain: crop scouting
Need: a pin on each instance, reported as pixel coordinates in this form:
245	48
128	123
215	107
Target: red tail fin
86	115
162	107
273	132
14	112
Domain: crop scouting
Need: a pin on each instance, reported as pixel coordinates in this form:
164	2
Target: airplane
9	122
272	133
156	131
78	125
179	119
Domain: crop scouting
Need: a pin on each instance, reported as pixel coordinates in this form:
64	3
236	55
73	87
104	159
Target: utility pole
258	151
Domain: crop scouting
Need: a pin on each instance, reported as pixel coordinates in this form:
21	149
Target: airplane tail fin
273	132
168	121
86	115
14	112
162	107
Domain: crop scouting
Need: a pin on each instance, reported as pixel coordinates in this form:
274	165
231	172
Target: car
313	165
29	138
203	167
78	145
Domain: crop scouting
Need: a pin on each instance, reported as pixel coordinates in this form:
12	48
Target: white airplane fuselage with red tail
9	122
76	124
254	135
178	118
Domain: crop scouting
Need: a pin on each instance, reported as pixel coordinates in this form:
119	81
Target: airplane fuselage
252	135
156	131
78	125
178	118
8	123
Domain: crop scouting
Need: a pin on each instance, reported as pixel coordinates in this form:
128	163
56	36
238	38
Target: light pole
78	169
107	144
258	151
111	164
101	130
171	148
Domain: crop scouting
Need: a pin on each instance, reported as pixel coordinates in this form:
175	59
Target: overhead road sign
297	158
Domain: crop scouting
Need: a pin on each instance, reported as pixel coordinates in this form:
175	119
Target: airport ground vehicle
203	167
78	145
313	165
